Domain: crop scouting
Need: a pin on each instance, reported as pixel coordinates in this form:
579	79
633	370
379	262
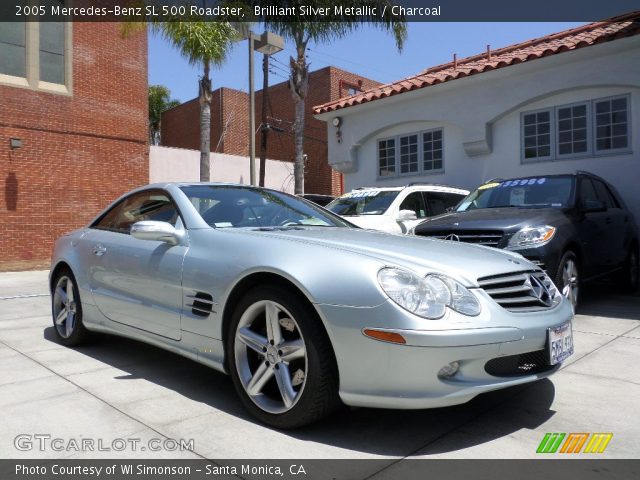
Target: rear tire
66	309
628	278
567	278
280	359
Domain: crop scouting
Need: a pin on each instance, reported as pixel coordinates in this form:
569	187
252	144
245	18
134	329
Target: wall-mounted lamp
337	122
15	143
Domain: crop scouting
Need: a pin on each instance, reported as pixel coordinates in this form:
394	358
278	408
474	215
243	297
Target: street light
268	43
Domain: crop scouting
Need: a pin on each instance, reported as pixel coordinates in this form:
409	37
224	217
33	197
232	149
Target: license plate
560	342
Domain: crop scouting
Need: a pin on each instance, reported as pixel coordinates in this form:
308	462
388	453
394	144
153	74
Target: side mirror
589	206
156	231
404	215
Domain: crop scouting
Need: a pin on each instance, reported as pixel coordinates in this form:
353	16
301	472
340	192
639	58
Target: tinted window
238	207
604	195
363	202
149	205
440	201
415	203
531	192
587	191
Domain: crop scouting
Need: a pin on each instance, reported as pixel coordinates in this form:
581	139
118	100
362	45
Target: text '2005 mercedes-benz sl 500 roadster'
305	311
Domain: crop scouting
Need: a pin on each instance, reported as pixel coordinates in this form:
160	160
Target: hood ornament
538	290
453	237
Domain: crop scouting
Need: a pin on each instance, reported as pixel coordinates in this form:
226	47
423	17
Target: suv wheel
568	277
629	277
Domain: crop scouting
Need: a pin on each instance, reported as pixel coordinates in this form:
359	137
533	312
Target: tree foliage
301	31
159	102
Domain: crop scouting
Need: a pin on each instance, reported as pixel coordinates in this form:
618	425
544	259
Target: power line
279	69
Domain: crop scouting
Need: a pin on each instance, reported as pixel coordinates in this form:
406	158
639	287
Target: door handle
99	249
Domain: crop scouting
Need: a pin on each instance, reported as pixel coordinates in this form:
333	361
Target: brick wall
230	108
79	152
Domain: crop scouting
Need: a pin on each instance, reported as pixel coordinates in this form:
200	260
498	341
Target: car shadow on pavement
371	431
604	299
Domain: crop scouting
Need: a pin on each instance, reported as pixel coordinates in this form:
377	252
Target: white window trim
589	138
552	129
395	156
399	154
592	150
612	151
421	171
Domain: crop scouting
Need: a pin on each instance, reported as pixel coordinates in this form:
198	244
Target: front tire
568	277
66	309
280	359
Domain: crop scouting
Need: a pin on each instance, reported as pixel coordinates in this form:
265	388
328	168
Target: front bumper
546	257
386	375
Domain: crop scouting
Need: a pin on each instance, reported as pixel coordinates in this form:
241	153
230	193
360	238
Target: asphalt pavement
118	392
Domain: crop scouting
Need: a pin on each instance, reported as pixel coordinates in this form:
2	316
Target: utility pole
252	116
264	128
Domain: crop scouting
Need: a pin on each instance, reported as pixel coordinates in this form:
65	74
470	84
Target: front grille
489	238
519	365
521	291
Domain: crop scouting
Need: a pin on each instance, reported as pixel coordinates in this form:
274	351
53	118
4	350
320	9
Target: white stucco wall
180	165
480	116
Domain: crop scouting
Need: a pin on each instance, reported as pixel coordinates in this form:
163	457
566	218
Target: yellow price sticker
488	185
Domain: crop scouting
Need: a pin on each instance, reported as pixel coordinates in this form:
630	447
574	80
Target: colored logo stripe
550	443
598	442
574	442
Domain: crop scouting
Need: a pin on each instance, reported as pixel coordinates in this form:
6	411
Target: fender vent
201	304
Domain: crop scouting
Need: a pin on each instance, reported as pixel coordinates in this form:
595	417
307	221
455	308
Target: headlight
532	237
427	297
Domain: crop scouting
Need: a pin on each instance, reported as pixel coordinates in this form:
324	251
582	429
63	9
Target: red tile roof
584	36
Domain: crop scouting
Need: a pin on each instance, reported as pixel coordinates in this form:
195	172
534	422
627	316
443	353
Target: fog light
449	371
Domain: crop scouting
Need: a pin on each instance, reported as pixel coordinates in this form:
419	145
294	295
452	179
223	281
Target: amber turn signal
390	337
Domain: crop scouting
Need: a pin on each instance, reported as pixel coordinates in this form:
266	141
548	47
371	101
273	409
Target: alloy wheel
270	356
570	280
64	307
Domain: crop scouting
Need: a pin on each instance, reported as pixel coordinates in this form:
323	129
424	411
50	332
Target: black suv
574	226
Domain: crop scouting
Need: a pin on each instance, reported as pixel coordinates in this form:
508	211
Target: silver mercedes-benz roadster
302	309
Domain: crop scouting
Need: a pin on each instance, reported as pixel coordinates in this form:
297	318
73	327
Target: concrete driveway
120	389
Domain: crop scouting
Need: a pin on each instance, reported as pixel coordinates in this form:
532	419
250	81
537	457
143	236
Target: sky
367	52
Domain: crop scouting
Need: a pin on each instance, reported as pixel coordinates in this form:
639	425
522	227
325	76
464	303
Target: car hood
505	219
465	262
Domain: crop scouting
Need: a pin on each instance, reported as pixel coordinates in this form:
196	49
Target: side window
587	191
439	201
415	202
604	195
149	205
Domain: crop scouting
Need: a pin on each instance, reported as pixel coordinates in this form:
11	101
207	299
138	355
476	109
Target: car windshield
531	192
246	207
363	202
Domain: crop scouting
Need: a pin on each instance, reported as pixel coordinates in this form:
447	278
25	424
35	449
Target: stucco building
556	104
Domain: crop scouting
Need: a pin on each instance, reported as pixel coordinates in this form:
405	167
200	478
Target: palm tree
301	32
204	44
159	101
